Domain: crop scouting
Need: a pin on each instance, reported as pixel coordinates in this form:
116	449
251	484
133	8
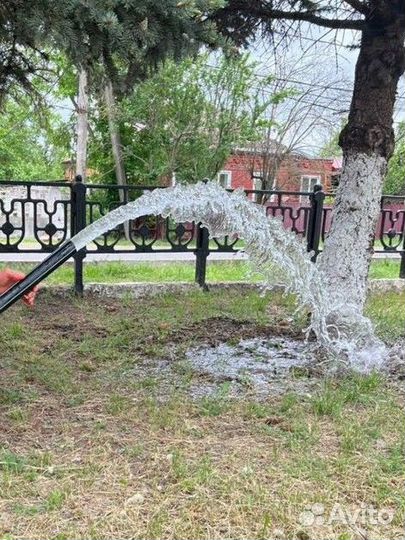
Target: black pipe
51	263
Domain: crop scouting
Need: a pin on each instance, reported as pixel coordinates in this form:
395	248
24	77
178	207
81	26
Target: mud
261	366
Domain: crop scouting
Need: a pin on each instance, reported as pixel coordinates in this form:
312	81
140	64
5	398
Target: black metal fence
40	216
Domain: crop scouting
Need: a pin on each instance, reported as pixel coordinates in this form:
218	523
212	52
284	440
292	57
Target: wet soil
217	354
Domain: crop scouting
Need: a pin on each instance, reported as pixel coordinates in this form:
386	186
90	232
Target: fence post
78	222
315	221
202	251
402	267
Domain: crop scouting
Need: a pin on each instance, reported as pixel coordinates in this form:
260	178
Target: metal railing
40	216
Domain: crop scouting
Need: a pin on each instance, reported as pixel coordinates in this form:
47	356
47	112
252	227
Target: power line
303	83
313	103
324	87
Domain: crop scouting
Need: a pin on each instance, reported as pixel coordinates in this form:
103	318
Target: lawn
97	444
217	271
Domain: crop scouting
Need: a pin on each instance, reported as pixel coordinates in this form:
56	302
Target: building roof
264	147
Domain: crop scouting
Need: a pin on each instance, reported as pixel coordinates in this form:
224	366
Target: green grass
114	272
385	269
217	271
387	311
97	442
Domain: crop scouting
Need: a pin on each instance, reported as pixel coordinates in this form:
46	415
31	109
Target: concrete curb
386	285
152	257
144	290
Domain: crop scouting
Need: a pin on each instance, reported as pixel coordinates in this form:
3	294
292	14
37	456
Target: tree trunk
367	142
82	125
116	147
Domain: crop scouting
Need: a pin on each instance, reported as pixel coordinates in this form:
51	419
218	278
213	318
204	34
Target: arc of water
337	324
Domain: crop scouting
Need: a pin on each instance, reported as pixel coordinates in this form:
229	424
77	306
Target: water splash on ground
341	330
254	364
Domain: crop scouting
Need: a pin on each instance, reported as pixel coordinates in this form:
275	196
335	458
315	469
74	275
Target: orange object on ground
8	278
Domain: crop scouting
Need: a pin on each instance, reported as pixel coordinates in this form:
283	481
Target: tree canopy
241	19
125	37
185	120
32	145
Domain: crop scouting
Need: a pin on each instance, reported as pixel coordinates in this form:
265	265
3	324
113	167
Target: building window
225	179
308	183
335	180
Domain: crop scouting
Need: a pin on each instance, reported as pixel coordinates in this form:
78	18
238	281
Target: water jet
339	327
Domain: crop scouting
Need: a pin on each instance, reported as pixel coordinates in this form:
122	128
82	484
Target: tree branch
306	16
359	6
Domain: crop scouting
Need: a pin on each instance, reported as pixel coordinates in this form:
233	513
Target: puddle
255	368
261	366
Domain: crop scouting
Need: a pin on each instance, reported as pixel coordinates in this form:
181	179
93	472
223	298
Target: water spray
338	325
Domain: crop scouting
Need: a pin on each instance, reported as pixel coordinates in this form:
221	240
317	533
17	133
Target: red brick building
244	169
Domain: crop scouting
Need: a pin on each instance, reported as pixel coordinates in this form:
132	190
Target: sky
320	58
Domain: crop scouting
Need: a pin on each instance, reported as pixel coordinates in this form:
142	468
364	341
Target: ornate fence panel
34	216
40	216
391	226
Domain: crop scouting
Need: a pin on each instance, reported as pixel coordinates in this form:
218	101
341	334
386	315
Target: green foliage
43	43
185	120
124	37
32	142
395	179
331	147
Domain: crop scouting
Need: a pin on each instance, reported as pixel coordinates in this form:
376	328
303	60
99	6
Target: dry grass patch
86	451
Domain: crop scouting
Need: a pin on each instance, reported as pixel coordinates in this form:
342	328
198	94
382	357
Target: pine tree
367	140
127	38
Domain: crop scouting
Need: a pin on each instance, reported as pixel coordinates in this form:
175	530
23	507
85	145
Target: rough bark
115	137
82	125
348	248
367	142
116	146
